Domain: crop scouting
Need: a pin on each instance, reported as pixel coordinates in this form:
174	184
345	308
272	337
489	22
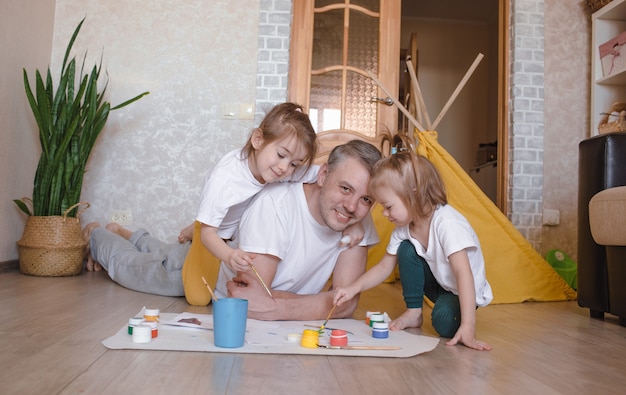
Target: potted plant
69	120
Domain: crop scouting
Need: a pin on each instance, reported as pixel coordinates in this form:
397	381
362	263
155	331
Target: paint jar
133	322
338	337
376	317
380	330
142	334
368	316
154	328
310	338
151	314
294	337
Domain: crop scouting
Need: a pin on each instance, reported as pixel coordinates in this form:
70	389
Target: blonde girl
437	251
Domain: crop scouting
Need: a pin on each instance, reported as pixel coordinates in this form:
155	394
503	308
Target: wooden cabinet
606	23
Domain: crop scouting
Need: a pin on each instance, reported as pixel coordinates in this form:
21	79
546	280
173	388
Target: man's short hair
361	150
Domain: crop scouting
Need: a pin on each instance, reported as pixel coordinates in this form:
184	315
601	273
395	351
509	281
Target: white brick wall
273	56
526	122
526	117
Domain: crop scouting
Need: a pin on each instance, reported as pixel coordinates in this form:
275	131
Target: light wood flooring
51	331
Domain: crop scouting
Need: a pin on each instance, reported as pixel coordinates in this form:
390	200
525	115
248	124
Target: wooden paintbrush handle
359	347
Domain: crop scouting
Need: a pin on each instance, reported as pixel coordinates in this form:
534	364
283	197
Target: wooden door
334	45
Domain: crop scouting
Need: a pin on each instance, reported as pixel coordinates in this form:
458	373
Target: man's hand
246	286
353	235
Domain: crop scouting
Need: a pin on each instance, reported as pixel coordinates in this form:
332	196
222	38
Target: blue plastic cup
229	322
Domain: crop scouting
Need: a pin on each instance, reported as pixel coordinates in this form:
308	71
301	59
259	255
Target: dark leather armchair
602	165
607	220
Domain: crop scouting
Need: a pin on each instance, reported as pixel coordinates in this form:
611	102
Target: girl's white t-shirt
229	188
449	232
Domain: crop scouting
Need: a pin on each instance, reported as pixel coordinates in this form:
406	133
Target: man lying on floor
293	228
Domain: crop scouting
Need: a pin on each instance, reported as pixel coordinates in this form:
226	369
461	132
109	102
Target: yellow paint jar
310	338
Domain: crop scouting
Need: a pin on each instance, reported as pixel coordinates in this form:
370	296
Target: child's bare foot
119	230
88	229
186	234
91	265
411	318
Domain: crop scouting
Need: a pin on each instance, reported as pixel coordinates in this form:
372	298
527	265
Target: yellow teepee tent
515	270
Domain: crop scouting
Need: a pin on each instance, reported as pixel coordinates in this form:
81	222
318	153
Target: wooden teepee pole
398	104
456	92
417	92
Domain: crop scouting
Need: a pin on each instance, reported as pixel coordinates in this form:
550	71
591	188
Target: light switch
230	111
246	111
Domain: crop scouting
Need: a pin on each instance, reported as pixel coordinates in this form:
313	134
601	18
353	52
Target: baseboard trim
9	266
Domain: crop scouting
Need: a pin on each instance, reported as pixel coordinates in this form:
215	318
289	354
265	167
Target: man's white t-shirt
229	188
278	222
449	232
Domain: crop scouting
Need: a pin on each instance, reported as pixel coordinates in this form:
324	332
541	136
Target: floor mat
271	337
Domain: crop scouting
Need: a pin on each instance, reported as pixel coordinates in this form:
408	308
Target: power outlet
551	217
122	217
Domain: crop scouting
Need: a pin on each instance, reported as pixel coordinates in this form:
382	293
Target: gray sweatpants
143	263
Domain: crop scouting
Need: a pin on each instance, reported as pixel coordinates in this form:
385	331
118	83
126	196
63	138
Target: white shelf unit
606	23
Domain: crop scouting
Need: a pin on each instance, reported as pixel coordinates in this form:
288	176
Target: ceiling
472	10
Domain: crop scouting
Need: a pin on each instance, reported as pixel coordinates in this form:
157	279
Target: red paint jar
338	337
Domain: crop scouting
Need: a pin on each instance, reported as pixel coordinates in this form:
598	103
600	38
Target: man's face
344	196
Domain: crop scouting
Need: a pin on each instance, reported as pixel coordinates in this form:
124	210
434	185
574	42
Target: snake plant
69	122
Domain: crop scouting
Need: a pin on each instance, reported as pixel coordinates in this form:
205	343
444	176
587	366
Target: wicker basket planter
70	115
52	246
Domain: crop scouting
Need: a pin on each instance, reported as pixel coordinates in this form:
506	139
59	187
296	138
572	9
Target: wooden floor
51	331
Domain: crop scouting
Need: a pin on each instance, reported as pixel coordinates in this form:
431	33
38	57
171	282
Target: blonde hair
413	178
283	120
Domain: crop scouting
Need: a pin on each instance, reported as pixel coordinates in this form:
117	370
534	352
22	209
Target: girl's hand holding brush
240	261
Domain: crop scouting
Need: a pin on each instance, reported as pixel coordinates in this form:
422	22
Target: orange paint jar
151	315
368	315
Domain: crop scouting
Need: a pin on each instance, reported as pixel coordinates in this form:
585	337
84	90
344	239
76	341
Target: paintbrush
328	317
328	328
262	282
209	288
359	347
